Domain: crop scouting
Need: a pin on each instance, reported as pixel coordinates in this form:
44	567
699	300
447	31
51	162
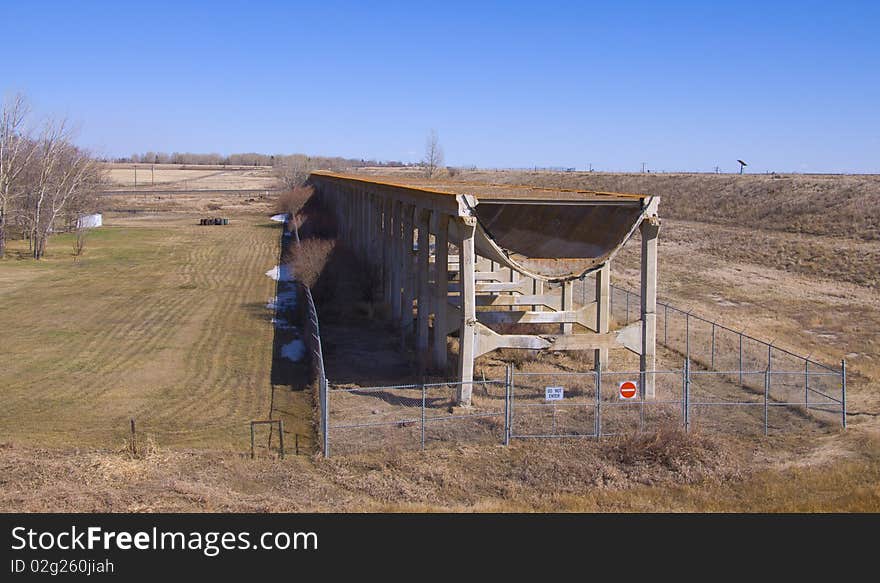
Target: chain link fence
729	383
536	405
411	416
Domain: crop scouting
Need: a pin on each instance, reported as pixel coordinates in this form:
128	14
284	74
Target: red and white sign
628	390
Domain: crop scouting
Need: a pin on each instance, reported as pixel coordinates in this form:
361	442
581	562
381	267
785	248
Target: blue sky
786	86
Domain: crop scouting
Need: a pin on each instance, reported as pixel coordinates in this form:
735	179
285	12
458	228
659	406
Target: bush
294	200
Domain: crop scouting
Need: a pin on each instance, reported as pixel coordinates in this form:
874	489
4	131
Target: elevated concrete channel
513	243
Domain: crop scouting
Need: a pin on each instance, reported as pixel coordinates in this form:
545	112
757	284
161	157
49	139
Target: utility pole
643	166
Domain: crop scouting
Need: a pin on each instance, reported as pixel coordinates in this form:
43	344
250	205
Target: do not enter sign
628	390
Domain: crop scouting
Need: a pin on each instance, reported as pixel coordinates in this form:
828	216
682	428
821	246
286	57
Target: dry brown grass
171	177
661	476
828	205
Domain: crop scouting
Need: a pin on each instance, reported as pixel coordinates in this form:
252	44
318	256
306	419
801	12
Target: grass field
162	321
170	177
166	322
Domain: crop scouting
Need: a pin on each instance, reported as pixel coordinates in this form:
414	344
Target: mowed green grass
162	320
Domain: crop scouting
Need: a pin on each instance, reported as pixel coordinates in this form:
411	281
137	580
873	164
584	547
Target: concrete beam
523	286
542	300
585	316
489	340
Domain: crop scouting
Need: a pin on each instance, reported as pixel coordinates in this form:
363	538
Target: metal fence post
666	324
687	395
424	391
806	384
508	376
766	398
740	358
687	335
598	400
325	414
712	358
281	437
843	392
627	307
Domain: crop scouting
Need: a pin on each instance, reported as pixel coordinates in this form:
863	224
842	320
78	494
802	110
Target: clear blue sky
787	86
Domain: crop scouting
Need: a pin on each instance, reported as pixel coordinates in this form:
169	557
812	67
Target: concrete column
387	247
406	265
567	303
537	289
423	267
354	217
467	330
395	265
441	279
603	310
650	229
348	193
376	265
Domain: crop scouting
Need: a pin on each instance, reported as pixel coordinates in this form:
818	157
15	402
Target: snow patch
280	273
293	350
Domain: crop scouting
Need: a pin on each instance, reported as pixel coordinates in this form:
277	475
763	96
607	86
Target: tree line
46	181
246	159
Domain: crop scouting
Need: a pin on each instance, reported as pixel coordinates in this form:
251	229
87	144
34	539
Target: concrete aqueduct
511	241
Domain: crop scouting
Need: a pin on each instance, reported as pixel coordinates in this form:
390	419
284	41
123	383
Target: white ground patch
279	218
280	273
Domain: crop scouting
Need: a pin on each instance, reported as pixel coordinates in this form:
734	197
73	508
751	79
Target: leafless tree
16	151
62	173
433	155
79	241
293	171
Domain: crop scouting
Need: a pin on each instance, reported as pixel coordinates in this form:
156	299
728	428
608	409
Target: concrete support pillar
537	289
355	221
467	329
372	230
348	194
423	266
567	303
387	250
396	263
650	229
441	279
406	314
603	310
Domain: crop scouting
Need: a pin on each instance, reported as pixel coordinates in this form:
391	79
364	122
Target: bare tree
433	155
62	172
16	151
293	170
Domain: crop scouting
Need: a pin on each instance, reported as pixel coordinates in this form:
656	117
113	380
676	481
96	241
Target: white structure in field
92	221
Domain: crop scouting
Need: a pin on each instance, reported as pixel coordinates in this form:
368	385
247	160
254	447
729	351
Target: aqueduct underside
513	244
